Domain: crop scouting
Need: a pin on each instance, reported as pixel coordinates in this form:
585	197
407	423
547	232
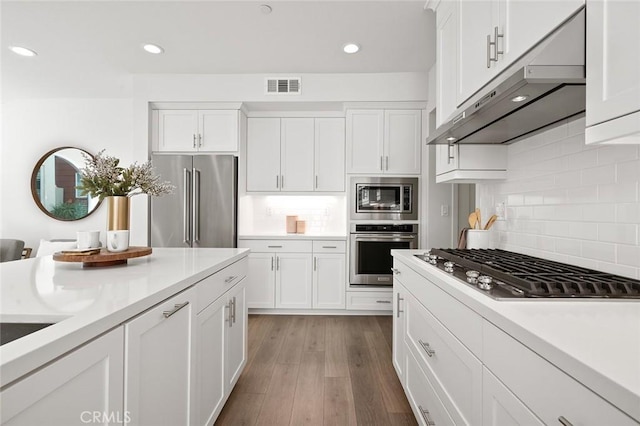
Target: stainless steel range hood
551	76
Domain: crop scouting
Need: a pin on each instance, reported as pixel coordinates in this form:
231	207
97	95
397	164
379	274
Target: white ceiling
87	48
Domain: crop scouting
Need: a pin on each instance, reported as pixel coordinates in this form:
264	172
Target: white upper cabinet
295	154
198	130
263	154
613	72
329	154
446	60
384	141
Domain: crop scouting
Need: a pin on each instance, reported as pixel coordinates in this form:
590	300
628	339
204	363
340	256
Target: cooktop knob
485	282
472	276
448	267
433	259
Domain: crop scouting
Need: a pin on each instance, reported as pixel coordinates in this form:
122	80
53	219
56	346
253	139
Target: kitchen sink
10	331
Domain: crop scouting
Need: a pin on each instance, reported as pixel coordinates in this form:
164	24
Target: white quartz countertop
596	342
86	302
286	236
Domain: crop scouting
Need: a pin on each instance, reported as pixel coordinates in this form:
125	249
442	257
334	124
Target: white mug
117	240
88	239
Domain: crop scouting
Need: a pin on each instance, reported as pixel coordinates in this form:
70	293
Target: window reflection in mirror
54	181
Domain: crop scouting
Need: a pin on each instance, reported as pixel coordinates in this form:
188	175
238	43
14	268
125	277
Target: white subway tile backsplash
570	202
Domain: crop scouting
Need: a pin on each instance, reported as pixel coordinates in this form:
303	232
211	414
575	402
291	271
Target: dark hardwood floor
318	370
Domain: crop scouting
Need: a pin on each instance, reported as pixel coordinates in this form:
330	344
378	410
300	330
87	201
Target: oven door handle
384	237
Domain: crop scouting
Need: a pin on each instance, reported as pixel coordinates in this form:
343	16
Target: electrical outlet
501	211
269	211
444	210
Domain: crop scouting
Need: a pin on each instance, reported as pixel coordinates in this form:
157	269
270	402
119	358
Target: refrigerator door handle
196	205
185	206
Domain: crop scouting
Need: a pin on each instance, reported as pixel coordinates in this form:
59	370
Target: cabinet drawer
455	372
460	320
212	287
276	246
371	300
546	390
423	398
329	246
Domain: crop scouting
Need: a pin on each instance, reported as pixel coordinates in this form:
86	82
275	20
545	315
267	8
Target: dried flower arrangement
103	177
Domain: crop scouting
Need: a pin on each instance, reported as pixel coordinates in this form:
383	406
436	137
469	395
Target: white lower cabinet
329	272
235	336
293	280
261	290
158	364
370	300
85	386
501	406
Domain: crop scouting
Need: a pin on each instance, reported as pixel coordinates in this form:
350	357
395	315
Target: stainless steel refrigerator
202	210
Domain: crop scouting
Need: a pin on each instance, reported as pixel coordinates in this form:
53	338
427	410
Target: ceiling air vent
283	86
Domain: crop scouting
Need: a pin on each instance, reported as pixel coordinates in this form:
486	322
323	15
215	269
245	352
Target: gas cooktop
506	275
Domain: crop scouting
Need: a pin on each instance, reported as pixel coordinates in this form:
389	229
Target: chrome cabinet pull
430	352
489	51
234	309
175	309
230	279
277	263
382	163
277	181
194	140
395	271
496	49
386	160
564	421
398	310
199	140
383	301
272	263
228	318
449	155
315	263
281	181
274	246
426	417
316	181
330	247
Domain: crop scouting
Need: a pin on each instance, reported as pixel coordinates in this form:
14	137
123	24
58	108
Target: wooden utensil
489	224
479	218
473	219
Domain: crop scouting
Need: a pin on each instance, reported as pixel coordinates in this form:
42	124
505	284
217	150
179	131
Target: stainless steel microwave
383	198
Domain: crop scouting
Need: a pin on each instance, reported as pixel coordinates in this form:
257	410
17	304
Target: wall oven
383	198
370	253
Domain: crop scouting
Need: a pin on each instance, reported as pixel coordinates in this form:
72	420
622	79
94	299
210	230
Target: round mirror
53	185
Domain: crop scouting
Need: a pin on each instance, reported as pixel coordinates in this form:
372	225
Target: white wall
33	127
570	202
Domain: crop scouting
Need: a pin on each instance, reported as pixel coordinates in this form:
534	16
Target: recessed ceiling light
451	139
351	48
22	51
519	98
153	48
265	9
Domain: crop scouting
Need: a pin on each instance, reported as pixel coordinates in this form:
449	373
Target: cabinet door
178	130
475	69
501	407
218	130
261	280
293	280
365	141
69	390
329	154
613	61
296	154
211	325
525	23
263	154
236	335
329	274
402	130
447	60
399	328
158	367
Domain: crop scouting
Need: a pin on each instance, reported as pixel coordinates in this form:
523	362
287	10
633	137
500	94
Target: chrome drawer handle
564	421
395	271
230	279
274	246
426	417
329	246
383	301
175	309
398	310
430	352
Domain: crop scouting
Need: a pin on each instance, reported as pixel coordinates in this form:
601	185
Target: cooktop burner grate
538	277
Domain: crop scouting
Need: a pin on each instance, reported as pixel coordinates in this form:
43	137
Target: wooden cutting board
104	258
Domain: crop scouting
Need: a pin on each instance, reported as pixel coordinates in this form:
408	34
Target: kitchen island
479	360
120	303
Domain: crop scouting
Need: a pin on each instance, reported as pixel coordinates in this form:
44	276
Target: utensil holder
477	239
